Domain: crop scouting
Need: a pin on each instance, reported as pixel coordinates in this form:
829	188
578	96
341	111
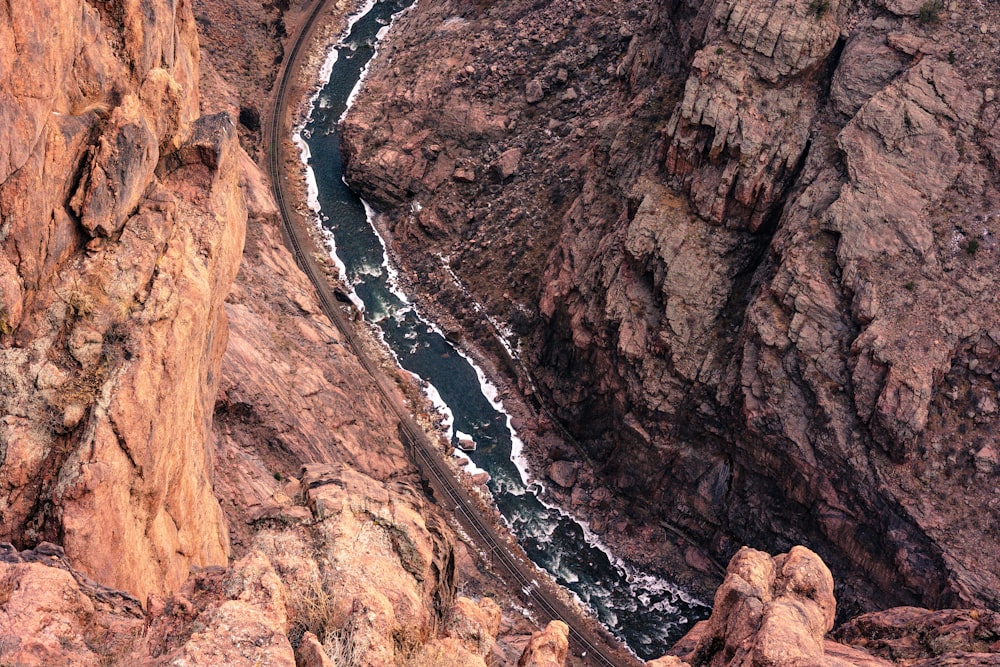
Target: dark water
647	612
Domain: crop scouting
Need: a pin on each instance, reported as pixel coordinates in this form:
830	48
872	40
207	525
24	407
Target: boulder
547	648
563	473
474	624
533	91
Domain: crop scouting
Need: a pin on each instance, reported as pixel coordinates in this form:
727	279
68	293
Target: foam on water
434	396
467	463
555	537
492	395
392	275
364	71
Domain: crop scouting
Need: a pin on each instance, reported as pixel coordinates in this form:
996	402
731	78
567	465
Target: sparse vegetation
79	301
313	609
951	57
930	11
718	50
339	646
408	642
911	286
84	107
972	246
819	7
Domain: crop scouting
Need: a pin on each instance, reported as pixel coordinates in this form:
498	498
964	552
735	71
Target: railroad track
535	587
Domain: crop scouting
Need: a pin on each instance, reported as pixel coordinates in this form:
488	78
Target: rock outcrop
123	226
925	637
746	250
769	611
547	648
777	612
367	581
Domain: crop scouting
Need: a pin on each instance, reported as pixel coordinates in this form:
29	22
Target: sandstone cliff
122	231
747	250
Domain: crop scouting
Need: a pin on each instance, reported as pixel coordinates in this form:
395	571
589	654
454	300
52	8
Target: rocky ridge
745	249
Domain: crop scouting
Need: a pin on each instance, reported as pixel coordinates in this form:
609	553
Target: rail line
534	586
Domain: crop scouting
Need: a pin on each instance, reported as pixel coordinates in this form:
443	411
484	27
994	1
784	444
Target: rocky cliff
778	611
193	468
122	230
747	252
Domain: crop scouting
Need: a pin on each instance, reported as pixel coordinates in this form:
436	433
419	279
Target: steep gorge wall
122	226
748	249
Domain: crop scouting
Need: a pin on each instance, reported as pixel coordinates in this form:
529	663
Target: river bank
648	610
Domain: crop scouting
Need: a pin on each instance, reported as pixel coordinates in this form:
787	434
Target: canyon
745	252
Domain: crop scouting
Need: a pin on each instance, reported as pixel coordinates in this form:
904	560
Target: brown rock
547	648
475	625
124	435
391	570
922	636
563	473
508	162
465	175
242	619
119	172
903	7
43	612
667	661
310	653
533	91
769	611
447	652
867	65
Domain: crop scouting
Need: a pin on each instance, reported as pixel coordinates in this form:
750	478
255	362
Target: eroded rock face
749	261
769	611
926	637
777	612
123	225
367	582
547	648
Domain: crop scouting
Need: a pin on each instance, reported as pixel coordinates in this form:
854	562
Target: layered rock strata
746	250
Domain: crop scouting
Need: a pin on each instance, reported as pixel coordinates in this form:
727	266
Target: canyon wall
747	251
122	231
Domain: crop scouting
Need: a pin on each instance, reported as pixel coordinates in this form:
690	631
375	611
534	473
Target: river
647	612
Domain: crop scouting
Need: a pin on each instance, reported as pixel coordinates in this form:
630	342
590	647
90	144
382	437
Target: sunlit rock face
123	226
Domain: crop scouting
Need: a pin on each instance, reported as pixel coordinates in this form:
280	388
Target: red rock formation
777	611
123	228
547	648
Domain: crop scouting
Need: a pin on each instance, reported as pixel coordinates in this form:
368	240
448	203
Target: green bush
930	11
819	7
